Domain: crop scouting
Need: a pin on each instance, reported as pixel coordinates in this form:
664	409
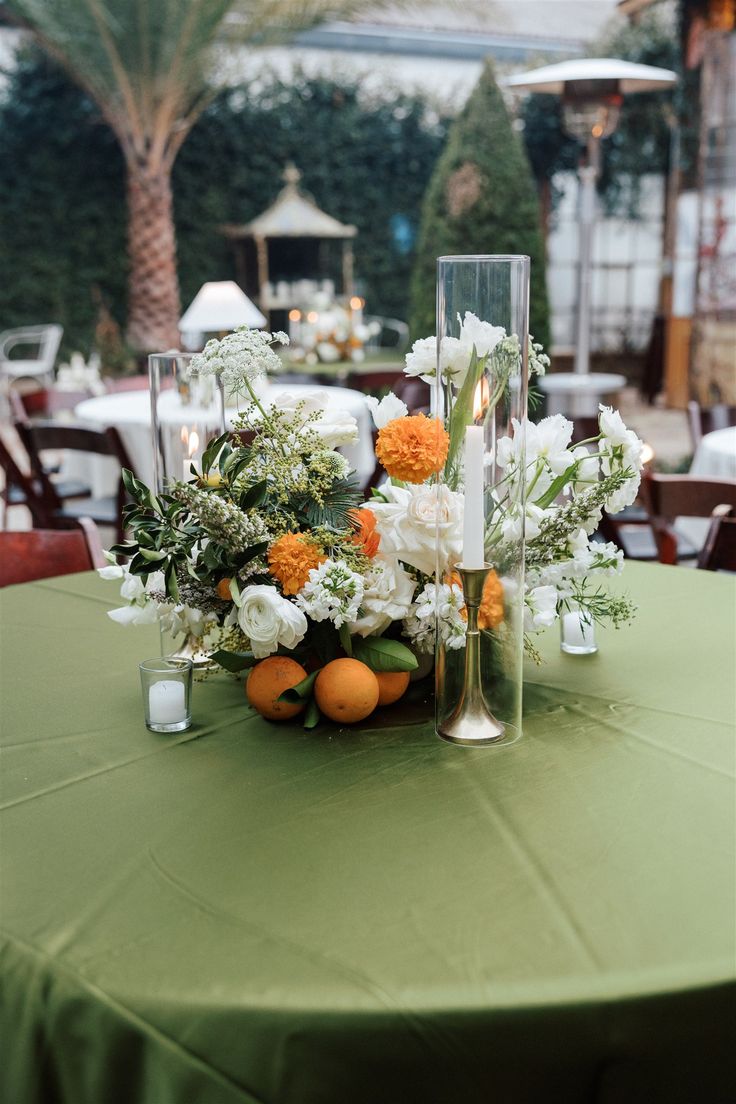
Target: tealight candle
167	685
473	512
578	634
167	702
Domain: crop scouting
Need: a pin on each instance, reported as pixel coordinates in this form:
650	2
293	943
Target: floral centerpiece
271	556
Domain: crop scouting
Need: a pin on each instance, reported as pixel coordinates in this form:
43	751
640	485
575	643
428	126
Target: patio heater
592	91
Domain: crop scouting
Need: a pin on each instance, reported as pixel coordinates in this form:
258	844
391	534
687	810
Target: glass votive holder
577	634
166	684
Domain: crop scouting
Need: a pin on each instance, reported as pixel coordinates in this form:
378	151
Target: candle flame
481	399
193	443
294	315
356	302
184	435
312	316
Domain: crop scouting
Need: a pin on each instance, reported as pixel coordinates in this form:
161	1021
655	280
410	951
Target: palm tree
146	64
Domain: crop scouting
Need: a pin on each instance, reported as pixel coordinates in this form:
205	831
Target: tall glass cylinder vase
481	395
187	412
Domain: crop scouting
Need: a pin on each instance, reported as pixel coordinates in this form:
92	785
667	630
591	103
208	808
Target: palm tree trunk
153	288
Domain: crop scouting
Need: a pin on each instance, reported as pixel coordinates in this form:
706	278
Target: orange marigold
413	448
365	530
490	613
291	558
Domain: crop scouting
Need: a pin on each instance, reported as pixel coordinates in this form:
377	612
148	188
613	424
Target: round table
716	454
247	913
574	394
130	413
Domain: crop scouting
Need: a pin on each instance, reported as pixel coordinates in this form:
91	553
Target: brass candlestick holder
472	723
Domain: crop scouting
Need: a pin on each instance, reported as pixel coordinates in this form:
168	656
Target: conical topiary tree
481	199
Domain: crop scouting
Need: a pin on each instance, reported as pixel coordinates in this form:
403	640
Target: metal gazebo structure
293	215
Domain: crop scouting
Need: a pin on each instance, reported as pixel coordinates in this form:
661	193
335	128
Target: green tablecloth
248	913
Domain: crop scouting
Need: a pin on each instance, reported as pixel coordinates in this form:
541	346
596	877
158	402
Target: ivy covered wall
62	206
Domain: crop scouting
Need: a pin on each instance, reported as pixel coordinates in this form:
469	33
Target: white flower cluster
241	357
455	352
437	607
143	608
387	595
620	449
332	593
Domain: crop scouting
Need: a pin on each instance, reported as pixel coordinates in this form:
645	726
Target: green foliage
481	199
62	194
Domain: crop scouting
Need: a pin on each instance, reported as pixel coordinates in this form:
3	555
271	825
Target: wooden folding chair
20	488
42	553
667	497
719	551
41	436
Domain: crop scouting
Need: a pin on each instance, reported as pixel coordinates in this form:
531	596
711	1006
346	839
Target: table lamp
218	307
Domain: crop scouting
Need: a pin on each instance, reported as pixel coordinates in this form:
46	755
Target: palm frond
344	495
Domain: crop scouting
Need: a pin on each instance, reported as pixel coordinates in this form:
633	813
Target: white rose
389	408
414	518
268	620
387	596
335	427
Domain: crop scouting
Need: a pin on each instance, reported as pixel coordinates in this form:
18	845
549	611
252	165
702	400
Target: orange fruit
267	680
391	686
346	690
223	590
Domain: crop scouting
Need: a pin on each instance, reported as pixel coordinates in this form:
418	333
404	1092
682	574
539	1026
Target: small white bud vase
577	633
481	395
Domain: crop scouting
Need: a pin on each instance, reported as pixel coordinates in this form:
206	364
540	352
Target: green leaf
343	496
381	654
311	714
301	692
234	661
249	554
346	639
556	487
254	496
461	414
211	452
152	556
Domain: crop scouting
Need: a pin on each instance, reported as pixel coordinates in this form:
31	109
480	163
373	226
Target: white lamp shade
630	76
220	305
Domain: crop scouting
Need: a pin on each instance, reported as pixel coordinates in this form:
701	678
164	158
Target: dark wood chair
43	403
39	437
667	497
415	393
20	489
43	553
719	551
371	383
706	419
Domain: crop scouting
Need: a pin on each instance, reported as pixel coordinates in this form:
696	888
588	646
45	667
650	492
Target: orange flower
365	534
291	558
490	614
412	448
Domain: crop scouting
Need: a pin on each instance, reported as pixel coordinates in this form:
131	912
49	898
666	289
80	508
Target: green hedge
62	189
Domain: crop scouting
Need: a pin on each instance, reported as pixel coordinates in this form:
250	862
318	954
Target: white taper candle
473	514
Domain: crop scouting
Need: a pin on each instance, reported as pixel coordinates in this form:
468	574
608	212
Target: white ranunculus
387	596
268	620
540	608
387	410
414	518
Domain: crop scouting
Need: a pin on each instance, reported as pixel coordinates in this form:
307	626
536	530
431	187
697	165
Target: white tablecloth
130	413
716	455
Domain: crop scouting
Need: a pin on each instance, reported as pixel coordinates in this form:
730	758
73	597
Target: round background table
716	454
130	413
574	394
248	913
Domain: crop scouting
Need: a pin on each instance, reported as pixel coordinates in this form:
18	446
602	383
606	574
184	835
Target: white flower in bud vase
268	620
481	335
437	606
385	411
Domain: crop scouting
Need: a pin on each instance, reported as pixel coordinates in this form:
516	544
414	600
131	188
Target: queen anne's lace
242	357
